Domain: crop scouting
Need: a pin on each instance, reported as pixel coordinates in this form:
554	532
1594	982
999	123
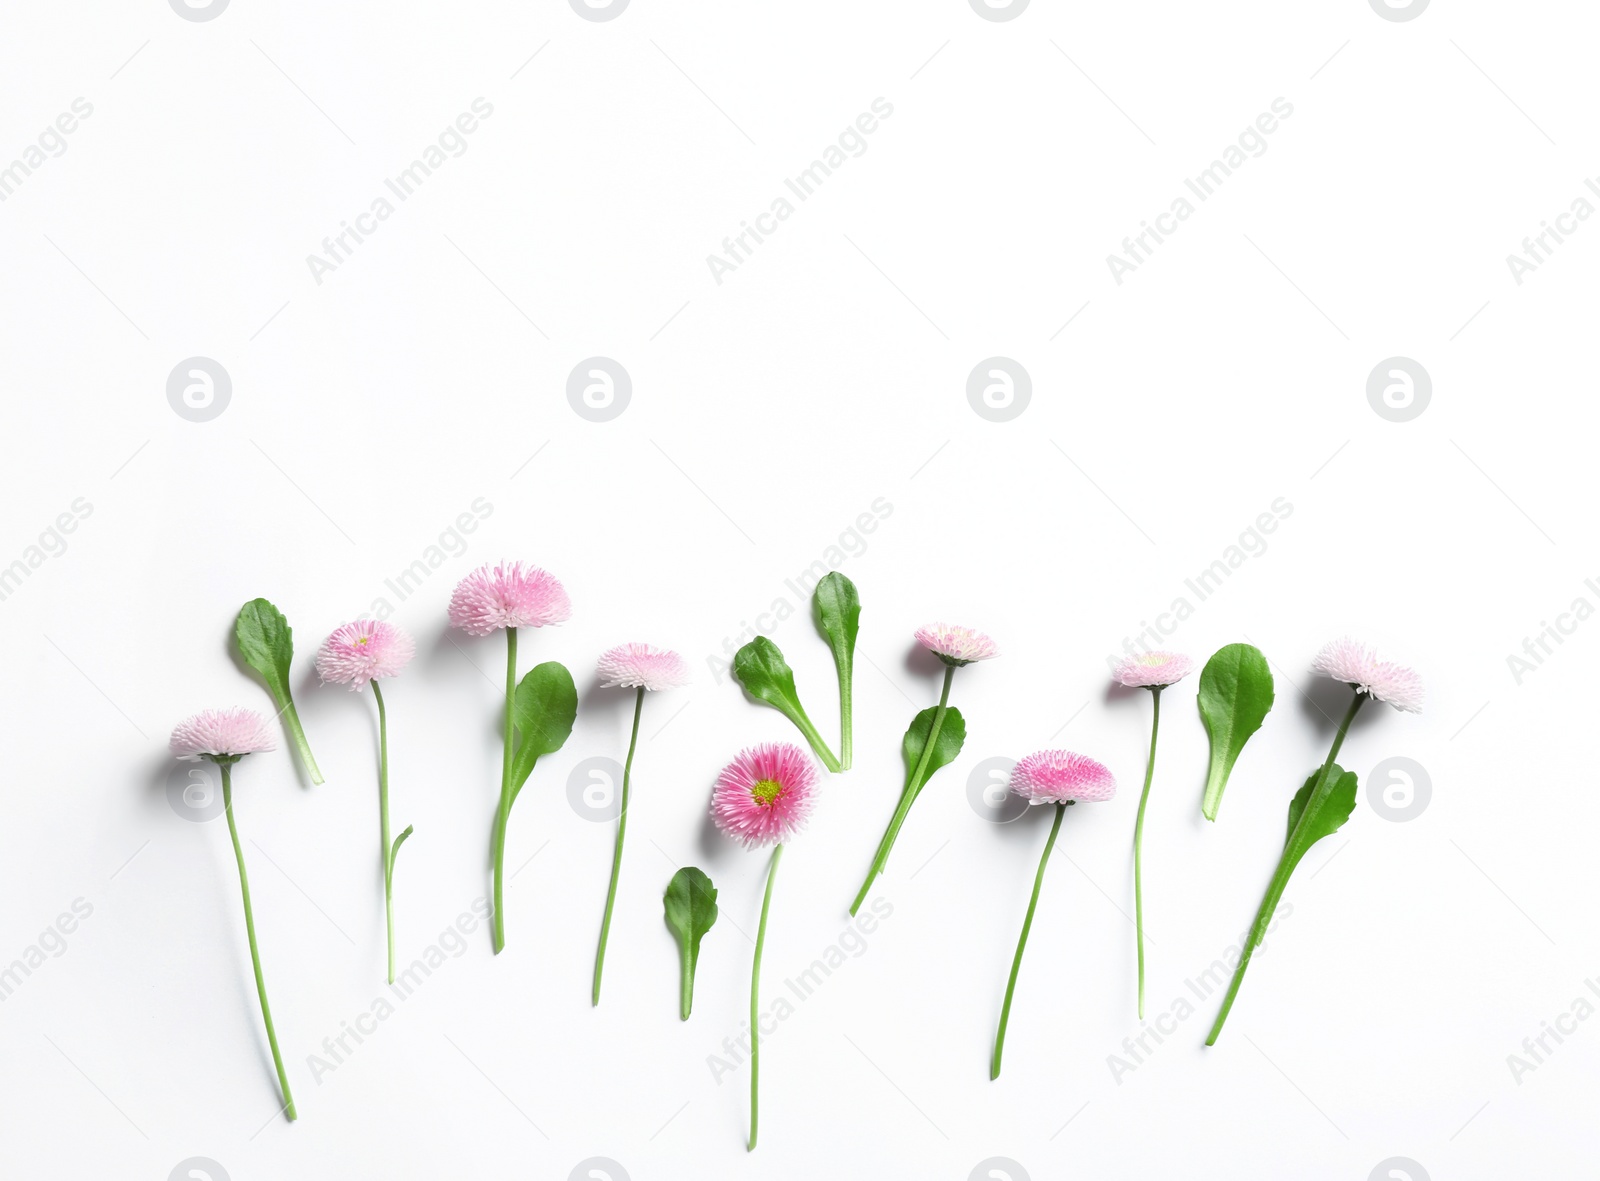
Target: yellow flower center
765	791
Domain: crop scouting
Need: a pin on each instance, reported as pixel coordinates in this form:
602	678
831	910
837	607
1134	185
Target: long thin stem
250	930
847	743
383	822
1022	942
616	856
1138	839
909	795
298	733
503	813
755	1000
1280	878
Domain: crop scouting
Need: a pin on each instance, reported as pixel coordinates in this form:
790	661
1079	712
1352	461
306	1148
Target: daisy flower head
642	666
220	734
1153	670
1060	777
765	795
363	651
956	645
1357	665
509	594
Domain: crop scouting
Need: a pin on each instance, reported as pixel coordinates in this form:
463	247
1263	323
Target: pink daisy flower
1358	665
1060	776
220	733
508	595
765	795
1057	777
641	666
956	645
1153	670
357	652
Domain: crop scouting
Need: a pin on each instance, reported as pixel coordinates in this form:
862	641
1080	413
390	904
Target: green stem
616	856
383	822
1022	941
847	743
814	737
1138	839
909	795
503	812
250	930
755	999
686	987
1286	863
298	733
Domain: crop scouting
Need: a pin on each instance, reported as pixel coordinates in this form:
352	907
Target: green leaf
952	733
1318	809
1235	694
838	611
543	710
266	642
1326	817
760	667
1332	810
691	909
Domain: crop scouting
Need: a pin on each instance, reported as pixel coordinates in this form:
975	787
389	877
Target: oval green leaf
543	710
838	612
691	911
1236	692
952	734
266	642
766	676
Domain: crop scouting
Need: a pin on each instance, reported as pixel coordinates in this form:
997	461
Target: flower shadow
1324	701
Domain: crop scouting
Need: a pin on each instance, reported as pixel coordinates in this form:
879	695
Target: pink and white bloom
642	666
956	645
362	651
1357	665
508	595
1153	670
1060	776
220	733
765	795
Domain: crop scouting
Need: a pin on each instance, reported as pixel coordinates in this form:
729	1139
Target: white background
768	412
